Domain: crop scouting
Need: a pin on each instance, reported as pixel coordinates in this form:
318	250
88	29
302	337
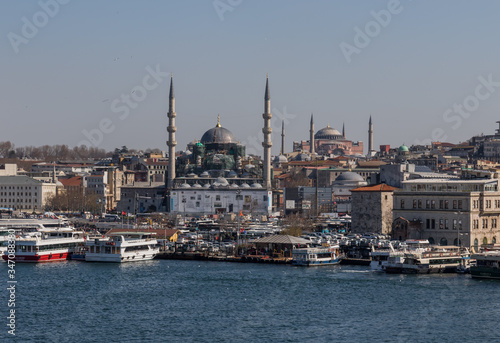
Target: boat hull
315	263
118	258
57	257
485	273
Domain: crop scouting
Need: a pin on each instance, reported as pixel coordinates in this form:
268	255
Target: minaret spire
370	138
171	136
311	136
343	130
283	137
267	143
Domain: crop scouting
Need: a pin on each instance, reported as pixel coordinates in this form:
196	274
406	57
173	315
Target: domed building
198	183
328	141
341	189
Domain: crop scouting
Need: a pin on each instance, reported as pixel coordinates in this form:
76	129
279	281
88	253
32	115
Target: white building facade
25	194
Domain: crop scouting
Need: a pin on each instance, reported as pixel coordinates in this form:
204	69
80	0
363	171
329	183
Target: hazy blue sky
65	69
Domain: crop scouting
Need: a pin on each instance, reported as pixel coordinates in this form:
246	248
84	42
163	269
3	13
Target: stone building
372	208
463	211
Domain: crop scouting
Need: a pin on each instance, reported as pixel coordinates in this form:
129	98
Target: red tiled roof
375	188
71	182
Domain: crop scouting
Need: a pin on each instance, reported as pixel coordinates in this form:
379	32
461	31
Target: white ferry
45	245
380	257
122	247
436	259
316	256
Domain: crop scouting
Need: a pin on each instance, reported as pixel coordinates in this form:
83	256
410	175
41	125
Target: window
441	204
433	204
446	204
459	204
402	203
485	223
217	197
420	204
446	226
455	204
427	204
414	203
441	223
428	223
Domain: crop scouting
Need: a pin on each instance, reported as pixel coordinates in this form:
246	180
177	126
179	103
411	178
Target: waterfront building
372	208
463	211
25	194
140	197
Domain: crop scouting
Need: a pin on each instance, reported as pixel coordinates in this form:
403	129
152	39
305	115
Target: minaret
171	136
283	137
311	135
370	137
267	144
343	130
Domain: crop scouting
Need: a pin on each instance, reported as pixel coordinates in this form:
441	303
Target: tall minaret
370	137
283	137
311	135
343	130
171	135
267	144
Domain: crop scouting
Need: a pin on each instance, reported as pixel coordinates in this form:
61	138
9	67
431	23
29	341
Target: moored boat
45	245
316	256
122	247
487	265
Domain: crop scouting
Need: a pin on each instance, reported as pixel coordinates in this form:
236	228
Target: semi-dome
349	176
328	133
220	181
218	134
280	159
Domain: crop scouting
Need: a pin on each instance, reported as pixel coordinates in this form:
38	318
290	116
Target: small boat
45	245
316	256
122	247
487	265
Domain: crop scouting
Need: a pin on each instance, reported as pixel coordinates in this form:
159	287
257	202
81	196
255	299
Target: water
191	301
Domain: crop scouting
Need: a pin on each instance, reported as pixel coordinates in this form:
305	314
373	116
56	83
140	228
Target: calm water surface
190	301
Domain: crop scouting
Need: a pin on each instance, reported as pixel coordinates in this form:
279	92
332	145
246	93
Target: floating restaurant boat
380	257
316	256
487	265
122	247
45	245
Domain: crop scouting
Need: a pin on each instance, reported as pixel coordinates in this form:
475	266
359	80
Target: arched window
443	241
431	240
485	241
494	240
457	243
476	244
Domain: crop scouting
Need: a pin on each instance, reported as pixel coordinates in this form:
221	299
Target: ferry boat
46	245
316	256
487	265
380	257
436	259
122	247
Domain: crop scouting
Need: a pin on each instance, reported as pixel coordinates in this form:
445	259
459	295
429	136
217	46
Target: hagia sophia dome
328	133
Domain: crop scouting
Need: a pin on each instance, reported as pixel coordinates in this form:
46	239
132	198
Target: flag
123	213
241	214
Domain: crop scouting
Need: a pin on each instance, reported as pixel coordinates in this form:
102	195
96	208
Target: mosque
214	175
330	142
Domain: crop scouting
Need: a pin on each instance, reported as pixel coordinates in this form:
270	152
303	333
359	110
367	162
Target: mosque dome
220	181
280	159
302	157
403	148
218	134
328	133
349	176
185	185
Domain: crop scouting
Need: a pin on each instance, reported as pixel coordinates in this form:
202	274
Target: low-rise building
25	194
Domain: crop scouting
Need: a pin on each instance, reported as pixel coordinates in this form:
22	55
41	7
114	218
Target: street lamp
238	193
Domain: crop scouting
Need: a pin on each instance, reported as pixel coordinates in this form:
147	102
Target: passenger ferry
45	245
122	247
435	259
380	257
316	256
487	265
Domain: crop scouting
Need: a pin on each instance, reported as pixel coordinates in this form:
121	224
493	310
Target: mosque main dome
218	134
328	133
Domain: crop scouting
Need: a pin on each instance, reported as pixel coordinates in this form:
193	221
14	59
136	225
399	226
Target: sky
98	72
